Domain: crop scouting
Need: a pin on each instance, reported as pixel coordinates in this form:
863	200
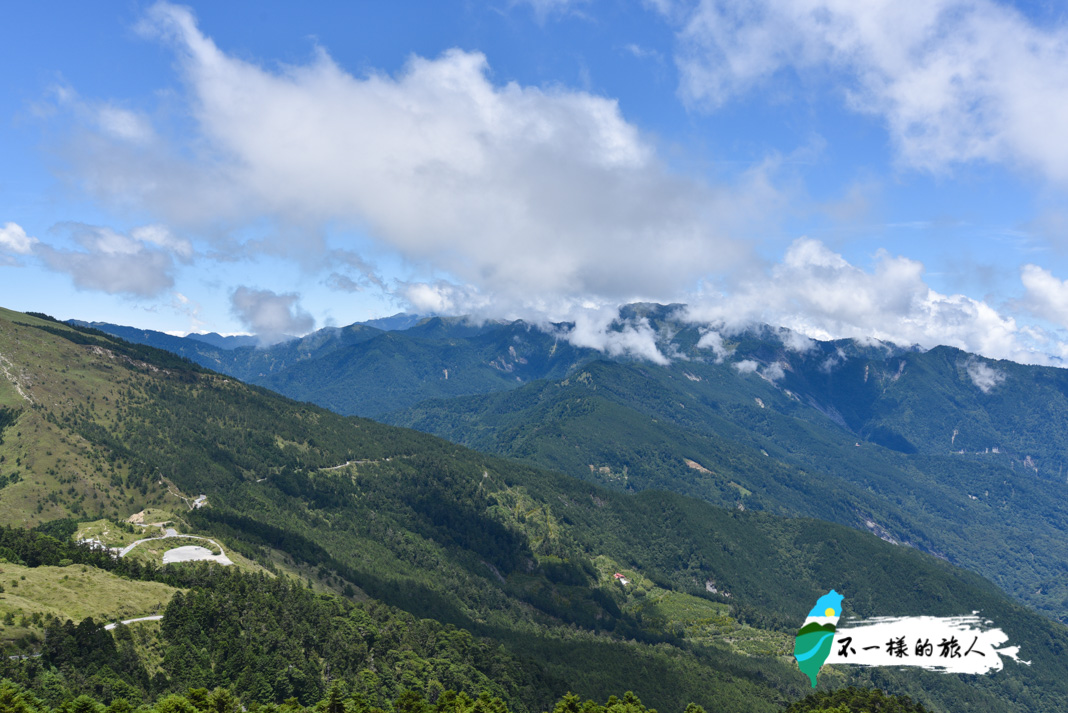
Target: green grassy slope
71	592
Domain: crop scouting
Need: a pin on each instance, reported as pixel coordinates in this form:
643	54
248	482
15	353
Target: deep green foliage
86	660
62	529
338	699
34	549
273	639
7	417
855	700
341	699
51	545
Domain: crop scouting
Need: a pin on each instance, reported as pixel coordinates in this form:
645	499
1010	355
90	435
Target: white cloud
954	80
354	264
816	292
795	341
111	120
983	375
271	316
1046	296
601	329
773	372
833	360
139	264
746	366
122	124
517	195
442	297
13	239
667	8
161	236
713	340
342	283
187	307
640	52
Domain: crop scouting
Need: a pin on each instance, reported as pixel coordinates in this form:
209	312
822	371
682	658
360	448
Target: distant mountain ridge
369	371
217	340
397	322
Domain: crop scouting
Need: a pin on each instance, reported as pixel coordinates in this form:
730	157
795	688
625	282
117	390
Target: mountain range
395	523
956	455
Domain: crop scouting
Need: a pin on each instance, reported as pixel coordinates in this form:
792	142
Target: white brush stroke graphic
957	644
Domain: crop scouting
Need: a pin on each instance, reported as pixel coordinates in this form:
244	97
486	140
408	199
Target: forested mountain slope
960	456
633	427
520	556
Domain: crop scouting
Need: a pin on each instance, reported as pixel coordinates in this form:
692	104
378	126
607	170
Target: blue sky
896	170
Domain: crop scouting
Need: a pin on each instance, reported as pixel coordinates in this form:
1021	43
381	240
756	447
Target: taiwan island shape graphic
816	638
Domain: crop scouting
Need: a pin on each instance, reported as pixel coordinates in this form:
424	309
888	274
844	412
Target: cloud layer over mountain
509	199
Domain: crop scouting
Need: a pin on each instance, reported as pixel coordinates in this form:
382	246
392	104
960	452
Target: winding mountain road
187	555
112	625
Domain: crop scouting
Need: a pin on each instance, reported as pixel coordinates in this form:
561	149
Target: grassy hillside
32	594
